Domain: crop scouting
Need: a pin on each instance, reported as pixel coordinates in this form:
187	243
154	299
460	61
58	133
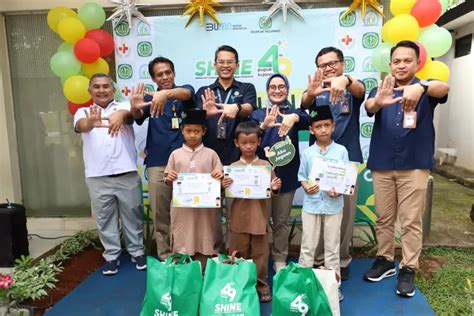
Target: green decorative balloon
92	15
66	47
437	40
381	57
64	64
444	5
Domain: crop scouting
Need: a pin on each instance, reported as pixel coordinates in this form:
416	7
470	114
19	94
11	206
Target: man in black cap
321	209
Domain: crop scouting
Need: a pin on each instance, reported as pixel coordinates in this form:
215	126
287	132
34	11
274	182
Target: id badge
345	108
409	120
222	130
174	122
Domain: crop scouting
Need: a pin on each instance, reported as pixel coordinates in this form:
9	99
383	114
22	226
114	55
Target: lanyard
227	97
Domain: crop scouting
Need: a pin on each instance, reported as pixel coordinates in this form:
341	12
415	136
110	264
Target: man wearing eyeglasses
227	102
345	95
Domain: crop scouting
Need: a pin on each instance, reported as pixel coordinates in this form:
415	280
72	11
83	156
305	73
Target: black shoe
382	268
345	273
406	282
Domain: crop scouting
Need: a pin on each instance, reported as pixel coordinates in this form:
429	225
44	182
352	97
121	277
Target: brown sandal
264	297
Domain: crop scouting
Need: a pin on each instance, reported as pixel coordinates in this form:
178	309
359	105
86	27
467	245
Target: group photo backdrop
264	47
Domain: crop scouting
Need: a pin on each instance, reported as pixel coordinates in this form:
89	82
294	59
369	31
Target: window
462	46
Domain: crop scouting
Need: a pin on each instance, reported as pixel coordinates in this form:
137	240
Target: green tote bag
173	288
296	291
229	288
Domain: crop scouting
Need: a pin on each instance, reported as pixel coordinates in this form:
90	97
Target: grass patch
442	279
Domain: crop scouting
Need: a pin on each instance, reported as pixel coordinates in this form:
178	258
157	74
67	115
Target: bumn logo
371	19
143	72
143	29
370	40
349	20
125	71
149	88
122	29
229	291
367	65
264	25
369	83
298	305
144	49
366	129
349	63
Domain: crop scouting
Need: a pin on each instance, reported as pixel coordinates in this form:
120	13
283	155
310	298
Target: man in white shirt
111	172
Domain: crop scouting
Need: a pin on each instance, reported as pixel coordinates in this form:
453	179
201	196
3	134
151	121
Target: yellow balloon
56	14
75	89
401	6
400	28
423	72
99	66
434	70
71	30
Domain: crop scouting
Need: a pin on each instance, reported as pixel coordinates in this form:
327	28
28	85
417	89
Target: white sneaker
278	265
341	296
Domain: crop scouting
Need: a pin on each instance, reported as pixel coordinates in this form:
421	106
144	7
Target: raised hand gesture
315	84
136	97
94	117
411	96
337	87
271	114
209	103
384	96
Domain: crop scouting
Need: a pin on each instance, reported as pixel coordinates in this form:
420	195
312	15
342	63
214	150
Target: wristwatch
425	84
239	106
349	79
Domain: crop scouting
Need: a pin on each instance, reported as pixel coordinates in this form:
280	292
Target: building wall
454	120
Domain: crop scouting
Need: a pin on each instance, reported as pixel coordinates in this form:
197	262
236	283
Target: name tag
409	120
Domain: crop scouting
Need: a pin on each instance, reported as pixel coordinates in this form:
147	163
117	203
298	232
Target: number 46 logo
299	306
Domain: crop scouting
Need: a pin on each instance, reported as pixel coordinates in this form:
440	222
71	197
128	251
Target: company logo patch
348	21
369	83
264	25
122	29
143	72
367	65
144	49
370	40
143	29
371	18
366	129
125	71
149	88
349	63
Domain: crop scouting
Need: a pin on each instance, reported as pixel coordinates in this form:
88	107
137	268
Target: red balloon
423	55
73	107
103	39
426	12
87	50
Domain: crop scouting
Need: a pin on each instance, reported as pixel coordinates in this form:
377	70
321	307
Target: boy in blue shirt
321	209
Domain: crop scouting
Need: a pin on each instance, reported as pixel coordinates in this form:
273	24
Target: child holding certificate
194	231
249	217
321	209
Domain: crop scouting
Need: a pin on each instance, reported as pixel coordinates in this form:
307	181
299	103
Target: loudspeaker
13	233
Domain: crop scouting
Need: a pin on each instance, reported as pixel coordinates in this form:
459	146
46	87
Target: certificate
337	174
249	182
198	190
